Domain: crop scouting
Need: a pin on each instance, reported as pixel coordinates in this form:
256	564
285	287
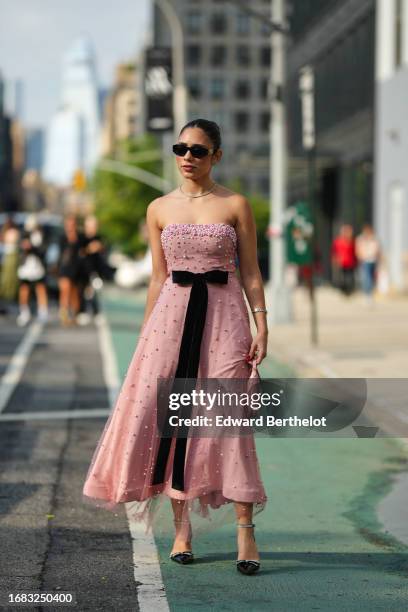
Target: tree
121	202
260	208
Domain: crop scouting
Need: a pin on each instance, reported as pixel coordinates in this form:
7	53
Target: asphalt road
50	540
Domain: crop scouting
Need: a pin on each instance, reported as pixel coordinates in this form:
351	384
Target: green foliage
121	202
260	208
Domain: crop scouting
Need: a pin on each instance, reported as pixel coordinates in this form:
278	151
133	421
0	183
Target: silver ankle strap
246	525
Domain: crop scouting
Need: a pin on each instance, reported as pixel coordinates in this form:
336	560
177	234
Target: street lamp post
306	86
179	87
177	46
280	307
133	172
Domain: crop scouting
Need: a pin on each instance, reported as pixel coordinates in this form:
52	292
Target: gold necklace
199	195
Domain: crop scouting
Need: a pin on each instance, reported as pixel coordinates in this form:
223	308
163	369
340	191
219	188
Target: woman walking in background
94	271
368	254
344	259
70	270
32	272
196	325
9	239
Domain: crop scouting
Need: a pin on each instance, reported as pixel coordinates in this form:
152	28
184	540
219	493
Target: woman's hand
94	247
258	347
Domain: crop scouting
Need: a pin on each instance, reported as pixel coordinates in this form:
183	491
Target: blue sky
35	34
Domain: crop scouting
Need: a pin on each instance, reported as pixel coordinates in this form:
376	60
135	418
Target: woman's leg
372	276
23	295
24	298
42	301
182	540
64	285
75	298
42	296
363	277
64	289
368	280
247	548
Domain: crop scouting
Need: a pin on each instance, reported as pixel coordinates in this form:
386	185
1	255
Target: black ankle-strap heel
184	557
247	566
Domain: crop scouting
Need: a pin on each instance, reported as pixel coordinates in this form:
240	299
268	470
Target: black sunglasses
198	151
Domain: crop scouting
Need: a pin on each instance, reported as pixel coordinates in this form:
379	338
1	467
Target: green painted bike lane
321	544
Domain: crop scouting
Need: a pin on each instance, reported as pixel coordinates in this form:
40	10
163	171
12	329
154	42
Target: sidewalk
354	340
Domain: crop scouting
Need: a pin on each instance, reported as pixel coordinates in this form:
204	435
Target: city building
336	40
13	98
72	139
11	151
391	138
34	149
121	110
227	70
6	167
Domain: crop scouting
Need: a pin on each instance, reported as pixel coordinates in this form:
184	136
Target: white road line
46	415
109	365
18	362
150	590
151	593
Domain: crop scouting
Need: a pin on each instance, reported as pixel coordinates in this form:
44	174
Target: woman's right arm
159	266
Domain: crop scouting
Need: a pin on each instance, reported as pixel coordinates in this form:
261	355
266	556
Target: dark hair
209	127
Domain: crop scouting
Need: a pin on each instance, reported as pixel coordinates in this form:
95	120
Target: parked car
131	274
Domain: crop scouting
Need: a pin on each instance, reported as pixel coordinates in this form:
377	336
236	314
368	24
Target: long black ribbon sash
188	362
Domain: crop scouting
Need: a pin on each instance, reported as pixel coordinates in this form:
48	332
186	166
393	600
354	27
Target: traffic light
79	180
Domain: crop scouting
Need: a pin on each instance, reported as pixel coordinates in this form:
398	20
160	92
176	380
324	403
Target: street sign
158	89
306	87
299	233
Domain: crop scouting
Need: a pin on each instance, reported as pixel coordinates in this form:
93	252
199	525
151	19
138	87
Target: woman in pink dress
196	325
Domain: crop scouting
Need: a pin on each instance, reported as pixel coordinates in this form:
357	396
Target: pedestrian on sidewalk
9	241
93	272
368	253
70	270
32	272
344	259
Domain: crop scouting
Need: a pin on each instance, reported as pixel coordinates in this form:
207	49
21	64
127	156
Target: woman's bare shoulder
237	202
233	196
162	200
225	191
158	205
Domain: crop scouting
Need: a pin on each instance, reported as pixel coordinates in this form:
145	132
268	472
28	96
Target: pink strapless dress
132	463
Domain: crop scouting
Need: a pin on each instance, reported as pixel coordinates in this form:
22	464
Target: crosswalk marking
46	415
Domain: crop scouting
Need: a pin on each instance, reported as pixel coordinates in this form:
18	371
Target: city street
329	536
151	146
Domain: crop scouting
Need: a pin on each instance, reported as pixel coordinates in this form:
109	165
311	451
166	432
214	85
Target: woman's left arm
251	275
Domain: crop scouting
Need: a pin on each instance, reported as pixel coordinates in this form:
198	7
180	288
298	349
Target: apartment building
227	70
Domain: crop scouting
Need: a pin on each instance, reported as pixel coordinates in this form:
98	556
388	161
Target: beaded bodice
199	247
